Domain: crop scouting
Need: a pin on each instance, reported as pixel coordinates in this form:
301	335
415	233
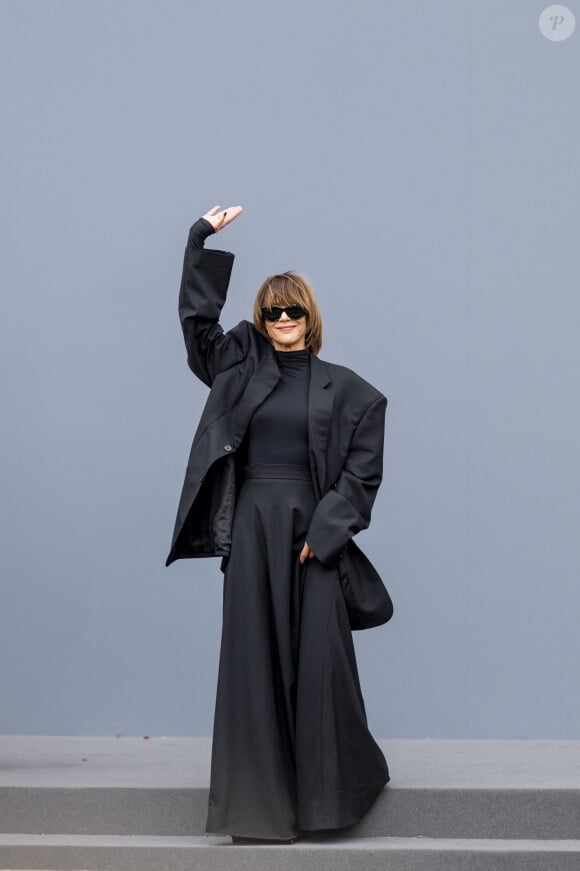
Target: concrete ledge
397	812
107	853
49	761
439	788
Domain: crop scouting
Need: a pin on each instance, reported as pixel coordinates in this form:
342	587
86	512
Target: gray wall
419	163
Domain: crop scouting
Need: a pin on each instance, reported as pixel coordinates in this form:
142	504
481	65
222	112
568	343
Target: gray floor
137	804
184	763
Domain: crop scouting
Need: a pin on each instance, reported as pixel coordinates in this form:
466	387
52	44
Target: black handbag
367	599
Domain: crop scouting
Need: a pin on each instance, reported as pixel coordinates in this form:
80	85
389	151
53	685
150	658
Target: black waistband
277	470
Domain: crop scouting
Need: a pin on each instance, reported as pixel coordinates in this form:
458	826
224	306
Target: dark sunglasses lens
273	314
295	311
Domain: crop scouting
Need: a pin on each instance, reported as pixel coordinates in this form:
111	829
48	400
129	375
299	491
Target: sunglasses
294	312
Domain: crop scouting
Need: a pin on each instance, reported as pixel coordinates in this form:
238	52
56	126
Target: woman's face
287	335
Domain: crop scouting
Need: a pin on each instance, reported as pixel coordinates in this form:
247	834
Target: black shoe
237	839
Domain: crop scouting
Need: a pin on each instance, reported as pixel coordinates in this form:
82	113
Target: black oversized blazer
346	418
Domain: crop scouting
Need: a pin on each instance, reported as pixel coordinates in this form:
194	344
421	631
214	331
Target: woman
284	469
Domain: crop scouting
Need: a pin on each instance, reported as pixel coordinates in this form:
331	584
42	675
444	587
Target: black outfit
278	431
291	746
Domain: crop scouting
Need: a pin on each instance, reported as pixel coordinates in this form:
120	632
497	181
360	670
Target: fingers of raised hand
219	219
214	217
230	214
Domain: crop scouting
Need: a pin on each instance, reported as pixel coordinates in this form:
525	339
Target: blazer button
227	447
201	477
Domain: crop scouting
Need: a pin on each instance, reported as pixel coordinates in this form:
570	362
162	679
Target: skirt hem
319	818
323	815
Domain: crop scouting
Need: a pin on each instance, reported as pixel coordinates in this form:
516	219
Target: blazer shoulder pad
251	339
243	328
352	381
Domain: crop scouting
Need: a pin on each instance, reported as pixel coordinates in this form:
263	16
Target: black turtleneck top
278	430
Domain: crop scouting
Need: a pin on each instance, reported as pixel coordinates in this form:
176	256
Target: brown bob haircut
290	288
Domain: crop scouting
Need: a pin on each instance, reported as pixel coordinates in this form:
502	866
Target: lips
285	329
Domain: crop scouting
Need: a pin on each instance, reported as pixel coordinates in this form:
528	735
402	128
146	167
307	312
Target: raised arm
202	295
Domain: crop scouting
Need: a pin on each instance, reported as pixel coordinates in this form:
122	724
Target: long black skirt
291	747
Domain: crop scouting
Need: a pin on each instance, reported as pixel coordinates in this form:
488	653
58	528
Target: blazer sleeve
202	295
346	508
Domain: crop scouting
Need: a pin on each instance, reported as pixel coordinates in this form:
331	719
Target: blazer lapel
320	404
262	382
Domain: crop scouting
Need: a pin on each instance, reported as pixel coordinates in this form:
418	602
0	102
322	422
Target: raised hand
220	219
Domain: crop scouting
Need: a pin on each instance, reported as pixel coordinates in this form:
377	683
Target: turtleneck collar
292	356
293	360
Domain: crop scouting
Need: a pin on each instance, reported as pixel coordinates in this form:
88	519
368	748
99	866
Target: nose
284	316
